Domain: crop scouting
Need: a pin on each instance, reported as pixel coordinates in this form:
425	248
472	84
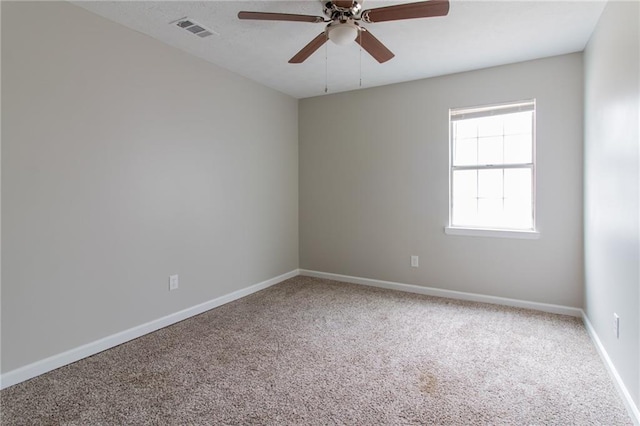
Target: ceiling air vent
193	27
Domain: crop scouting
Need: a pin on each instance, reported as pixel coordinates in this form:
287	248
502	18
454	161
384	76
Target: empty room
320	212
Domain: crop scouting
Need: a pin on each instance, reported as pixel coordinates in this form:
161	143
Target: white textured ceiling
476	34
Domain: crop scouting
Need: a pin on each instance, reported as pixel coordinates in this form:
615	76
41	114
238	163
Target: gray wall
612	186
374	184
125	161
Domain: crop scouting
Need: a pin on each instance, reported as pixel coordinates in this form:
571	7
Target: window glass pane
465	129
490	126
518	213
465	200
465	184
518	123
490	212
466	152
490	183
490	150
517	184
465	212
518	149
491	209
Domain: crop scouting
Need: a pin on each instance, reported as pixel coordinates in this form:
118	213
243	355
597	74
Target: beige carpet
315	352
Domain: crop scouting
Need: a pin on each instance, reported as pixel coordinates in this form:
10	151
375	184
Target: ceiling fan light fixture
342	33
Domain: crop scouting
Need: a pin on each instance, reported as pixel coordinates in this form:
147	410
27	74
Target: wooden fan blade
266	16
373	46
423	9
343	3
306	51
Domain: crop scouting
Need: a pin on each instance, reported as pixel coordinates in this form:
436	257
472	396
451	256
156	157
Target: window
492	169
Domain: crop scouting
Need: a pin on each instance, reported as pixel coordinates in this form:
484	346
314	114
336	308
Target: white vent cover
193	27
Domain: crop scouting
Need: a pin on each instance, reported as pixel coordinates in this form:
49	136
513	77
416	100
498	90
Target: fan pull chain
360	43
326	62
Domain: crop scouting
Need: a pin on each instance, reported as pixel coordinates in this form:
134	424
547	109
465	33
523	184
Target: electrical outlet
173	282
414	261
616	325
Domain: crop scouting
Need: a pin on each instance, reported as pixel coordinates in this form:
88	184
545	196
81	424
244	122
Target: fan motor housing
341	13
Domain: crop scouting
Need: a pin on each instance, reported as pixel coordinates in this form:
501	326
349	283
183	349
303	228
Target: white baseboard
450	294
633	410
56	361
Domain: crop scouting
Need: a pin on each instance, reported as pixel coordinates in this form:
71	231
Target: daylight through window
492	173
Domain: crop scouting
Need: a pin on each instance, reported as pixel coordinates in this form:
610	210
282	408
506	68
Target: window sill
491	233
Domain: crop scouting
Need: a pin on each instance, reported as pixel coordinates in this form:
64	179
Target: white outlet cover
414	261
173	282
616	325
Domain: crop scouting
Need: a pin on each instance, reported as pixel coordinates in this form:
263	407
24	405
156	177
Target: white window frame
486	111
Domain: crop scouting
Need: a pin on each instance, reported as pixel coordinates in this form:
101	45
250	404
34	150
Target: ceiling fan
343	26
